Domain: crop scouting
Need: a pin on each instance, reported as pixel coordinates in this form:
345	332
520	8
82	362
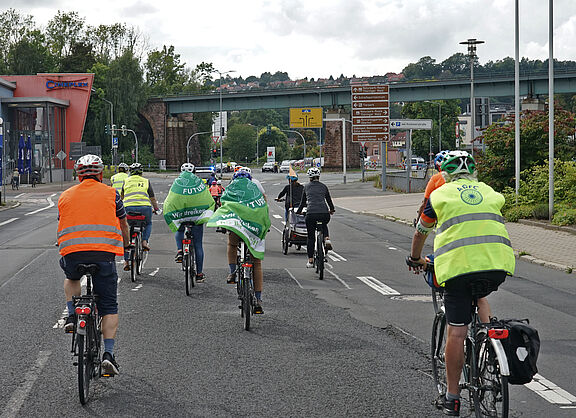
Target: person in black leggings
316	198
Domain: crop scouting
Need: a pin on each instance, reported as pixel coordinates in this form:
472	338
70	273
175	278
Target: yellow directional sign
306	117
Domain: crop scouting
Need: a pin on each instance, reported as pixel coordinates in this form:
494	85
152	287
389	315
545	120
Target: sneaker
109	367
145	246
258	307
126	266
69	324
309	265
451	408
231	278
327	245
200	277
179	256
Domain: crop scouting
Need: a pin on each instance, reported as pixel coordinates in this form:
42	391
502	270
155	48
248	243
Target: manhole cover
413	298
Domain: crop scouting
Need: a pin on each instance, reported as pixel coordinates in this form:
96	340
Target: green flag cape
188	201
244	211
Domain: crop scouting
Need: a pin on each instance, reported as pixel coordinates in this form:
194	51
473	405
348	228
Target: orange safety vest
88	219
216	190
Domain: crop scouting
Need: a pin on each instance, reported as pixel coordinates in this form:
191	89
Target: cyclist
293	192
189	201
247	204
92	228
316	197
139	197
15	178
471	246
117	180
435	181
216	191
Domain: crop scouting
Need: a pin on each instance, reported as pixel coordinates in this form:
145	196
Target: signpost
307	117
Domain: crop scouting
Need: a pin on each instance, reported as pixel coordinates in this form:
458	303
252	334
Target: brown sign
370	89
370	105
370	97
370	112
370	121
360	129
371	137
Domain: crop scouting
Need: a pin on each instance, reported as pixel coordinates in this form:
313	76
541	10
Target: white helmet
123	166
456	162
89	165
218	182
189	167
313	172
245	169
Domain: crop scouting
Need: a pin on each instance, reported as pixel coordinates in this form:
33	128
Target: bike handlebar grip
411	263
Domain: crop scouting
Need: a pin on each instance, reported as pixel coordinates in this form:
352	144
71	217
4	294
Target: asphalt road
337	347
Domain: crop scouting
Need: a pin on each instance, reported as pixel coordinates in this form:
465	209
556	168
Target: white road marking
338	278
20	271
337	255
137	288
293	278
8	221
277	216
378	286
50	204
392	248
154	272
276	184
19	195
551	392
333	258
276	229
13	406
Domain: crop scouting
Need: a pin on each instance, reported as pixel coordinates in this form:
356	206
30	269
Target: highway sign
406	124
307	117
370	110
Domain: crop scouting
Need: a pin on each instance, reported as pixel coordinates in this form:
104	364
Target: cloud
140	8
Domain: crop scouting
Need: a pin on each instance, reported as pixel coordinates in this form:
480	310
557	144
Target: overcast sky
319	38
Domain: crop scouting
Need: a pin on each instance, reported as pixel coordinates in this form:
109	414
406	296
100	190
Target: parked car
285	166
205	172
270	166
418	163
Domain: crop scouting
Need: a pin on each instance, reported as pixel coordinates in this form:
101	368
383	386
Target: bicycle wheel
187	275
133	264
84	368
493	398
320	256
246	302
139	254
285	241
438	345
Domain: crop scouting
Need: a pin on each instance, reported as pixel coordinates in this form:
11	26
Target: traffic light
124	132
268	129
113	129
107	129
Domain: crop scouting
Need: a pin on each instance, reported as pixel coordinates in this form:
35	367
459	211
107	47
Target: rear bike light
82	324
246	265
186	241
498	334
83	310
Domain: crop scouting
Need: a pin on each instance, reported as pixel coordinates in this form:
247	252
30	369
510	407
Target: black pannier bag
522	347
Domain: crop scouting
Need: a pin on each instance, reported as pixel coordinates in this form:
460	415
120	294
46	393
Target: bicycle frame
188	257
245	286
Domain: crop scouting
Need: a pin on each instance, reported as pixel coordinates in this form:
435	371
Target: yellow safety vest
136	191
470	232
117	181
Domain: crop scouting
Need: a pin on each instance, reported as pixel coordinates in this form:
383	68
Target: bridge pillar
171	134
332	149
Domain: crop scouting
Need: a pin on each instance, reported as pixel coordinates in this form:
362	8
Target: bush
540	211
512	214
564	216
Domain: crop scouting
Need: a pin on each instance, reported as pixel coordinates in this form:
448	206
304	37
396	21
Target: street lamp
188	145
111	123
439	123
220	74
472	55
303	141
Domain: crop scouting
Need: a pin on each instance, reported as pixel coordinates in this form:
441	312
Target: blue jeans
147	212
197	234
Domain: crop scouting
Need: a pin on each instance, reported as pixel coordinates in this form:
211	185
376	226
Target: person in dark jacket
316	198
293	192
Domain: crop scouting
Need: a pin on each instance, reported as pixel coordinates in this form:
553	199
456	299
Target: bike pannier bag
522	347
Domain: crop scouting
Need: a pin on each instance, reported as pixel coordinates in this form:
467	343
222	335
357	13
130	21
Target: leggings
311	219
233	241
197	234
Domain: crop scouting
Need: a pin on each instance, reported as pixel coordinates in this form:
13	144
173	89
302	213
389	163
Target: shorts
105	282
460	292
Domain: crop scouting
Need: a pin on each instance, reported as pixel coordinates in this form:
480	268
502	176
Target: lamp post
111	123
343	120
303	141
220	74
2	156
439	124
188	145
472	55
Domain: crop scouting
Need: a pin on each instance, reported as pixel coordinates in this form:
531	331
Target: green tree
80	59
425	68
30	55
240	143
496	166
165	73
274	138
63	31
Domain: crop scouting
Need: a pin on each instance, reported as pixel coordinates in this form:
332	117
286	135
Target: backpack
522	347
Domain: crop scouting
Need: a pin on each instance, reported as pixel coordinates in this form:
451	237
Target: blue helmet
242	174
439	159
292	178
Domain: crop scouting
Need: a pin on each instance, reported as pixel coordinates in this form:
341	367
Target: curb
529	222
10	204
528	258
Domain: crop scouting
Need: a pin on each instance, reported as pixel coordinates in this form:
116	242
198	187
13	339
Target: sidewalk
536	244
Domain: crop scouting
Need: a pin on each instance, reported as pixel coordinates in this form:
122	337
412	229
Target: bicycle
87	334
15	183
319	250
188	257
245	284
136	221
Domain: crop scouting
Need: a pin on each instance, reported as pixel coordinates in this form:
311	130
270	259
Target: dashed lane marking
8	221
15	403
50	204
338	278
277	216
279	230
551	392
378	285
276	184
338	256
154	272
137	288
18	196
